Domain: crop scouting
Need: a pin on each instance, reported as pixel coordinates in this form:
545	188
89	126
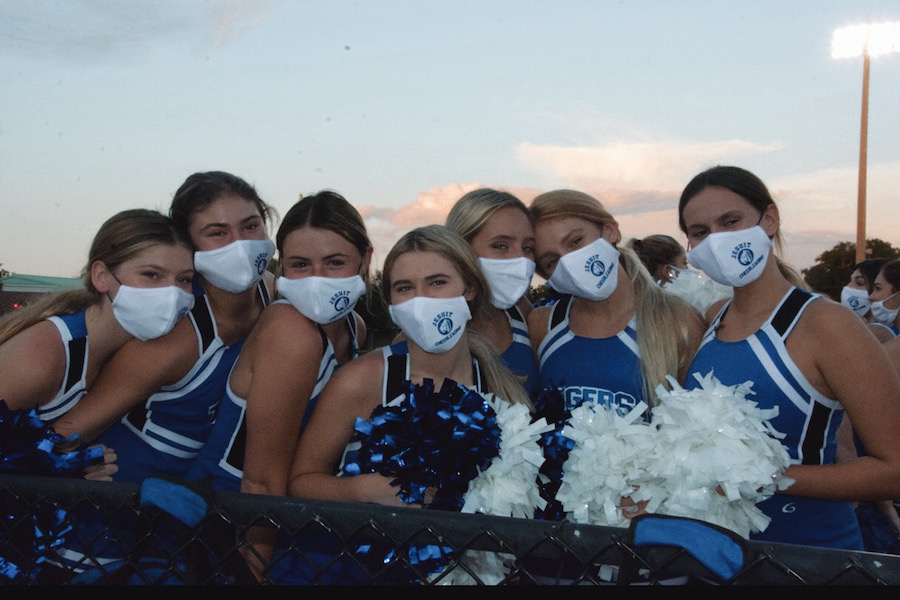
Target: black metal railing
381	545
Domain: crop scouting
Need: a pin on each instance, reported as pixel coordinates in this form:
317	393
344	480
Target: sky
402	106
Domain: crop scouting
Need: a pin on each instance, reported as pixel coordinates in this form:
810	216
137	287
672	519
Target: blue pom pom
429	439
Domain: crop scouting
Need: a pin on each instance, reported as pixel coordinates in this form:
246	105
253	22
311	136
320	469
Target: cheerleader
807	355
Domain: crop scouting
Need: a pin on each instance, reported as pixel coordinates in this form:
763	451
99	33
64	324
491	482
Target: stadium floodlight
867	41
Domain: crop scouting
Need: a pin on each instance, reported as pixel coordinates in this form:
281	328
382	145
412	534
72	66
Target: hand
105	470
631	509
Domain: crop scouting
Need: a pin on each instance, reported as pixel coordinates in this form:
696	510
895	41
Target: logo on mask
595	267
340	301
261	261
743	253
444	323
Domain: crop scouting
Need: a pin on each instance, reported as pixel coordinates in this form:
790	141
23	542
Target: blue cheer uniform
808	419
222	456
604	371
73	331
161	437
166	433
519	356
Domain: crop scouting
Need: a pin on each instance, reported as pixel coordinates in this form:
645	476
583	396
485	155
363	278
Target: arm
841	358
354	391
277	398
134	373
278	367
32	365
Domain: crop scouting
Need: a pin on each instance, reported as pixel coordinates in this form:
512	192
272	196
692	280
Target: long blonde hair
120	238
664	337
449	244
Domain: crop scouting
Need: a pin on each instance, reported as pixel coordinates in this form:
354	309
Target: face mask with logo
148	313
883	315
434	324
236	267
855	299
733	258
509	279
590	272
323	300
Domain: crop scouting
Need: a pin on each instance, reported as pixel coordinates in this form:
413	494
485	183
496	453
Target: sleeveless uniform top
808	419
394	385
519	356
166	433
604	371
73	331
222	456
892	327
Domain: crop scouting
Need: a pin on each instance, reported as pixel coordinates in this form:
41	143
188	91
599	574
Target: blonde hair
473	210
119	239
664	339
449	244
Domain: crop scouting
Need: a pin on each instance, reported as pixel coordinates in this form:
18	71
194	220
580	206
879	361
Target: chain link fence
332	542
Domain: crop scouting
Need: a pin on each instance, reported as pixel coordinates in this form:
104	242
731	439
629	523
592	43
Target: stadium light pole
867	40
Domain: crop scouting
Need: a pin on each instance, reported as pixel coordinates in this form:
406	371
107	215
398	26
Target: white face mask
590	272
885	316
855	299
323	300
236	267
148	313
733	258
509	279
434	324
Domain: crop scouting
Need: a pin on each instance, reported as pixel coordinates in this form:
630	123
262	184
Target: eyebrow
427	278
243	221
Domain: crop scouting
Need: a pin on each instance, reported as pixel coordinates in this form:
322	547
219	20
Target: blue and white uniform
519	356
166	433
395	385
73	331
161	437
223	455
605	371
324	558
892	328
808	419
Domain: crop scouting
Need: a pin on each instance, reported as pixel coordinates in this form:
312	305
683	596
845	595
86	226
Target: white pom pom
717	454
698	289
605	464
506	488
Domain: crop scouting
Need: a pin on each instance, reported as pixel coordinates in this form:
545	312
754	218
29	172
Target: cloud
632	167
640	184
99	32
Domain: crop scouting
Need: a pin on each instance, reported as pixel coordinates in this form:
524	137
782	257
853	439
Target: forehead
226	208
174	257
510	221
711	202
312	241
558	228
417	264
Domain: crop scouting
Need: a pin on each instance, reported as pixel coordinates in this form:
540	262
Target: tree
832	269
